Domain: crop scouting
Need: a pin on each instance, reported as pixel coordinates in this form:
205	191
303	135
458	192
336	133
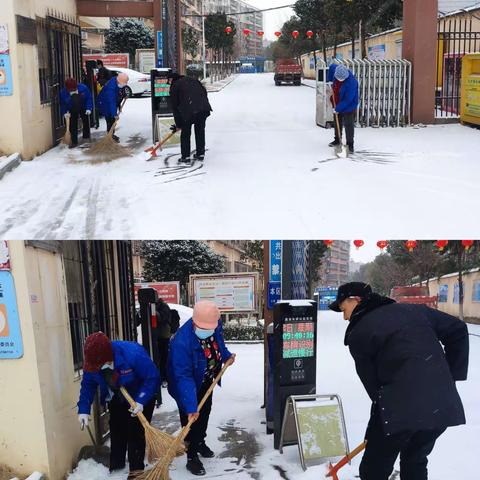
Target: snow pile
89	469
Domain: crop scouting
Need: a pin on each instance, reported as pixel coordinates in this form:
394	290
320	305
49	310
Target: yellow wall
25	124
39	391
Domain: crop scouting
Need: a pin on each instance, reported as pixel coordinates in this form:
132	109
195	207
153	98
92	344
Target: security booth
324	110
294	355
162	110
470	93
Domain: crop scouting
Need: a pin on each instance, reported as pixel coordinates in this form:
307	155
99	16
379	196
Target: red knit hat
96	352
71	84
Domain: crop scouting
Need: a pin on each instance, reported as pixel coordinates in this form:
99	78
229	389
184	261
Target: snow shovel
332	470
153	150
67	138
342	151
160	470
99	453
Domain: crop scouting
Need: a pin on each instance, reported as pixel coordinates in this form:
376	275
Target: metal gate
456	37
64	44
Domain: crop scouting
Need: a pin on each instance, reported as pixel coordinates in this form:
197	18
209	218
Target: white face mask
122	85
107	365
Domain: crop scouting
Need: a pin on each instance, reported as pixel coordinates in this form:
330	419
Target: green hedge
243	332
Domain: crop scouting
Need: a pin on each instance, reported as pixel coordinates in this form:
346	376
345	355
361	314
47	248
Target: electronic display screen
162	87
298	340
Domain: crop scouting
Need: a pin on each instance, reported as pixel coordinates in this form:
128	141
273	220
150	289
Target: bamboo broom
67	138
157	442
161	469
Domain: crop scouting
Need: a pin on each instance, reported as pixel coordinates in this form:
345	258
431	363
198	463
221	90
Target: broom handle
164	140
112	130
133	403
339	132
187	427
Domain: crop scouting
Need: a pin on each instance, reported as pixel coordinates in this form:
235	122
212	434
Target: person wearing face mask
108	365
197	353
108	100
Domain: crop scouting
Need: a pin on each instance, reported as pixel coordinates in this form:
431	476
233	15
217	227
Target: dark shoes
185	160
205	451
200	158
116	138
73	145
334	143
350	148
195	466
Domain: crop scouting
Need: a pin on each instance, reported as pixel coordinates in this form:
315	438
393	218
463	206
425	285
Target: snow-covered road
244	451
268	173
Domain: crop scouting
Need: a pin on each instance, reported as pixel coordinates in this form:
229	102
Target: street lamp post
204	54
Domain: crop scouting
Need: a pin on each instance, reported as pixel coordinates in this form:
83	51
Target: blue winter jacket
66	99
187	365
108	98
331	72
138	374
348	95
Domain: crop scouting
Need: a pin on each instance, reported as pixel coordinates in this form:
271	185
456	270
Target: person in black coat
190	107
408	358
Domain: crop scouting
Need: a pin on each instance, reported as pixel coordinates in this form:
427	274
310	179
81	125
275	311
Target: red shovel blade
332	472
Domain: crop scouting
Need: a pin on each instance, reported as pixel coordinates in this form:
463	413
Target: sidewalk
220	85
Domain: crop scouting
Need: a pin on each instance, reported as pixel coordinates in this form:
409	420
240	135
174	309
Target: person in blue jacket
108	99
346	103
76	101
108	365
197	353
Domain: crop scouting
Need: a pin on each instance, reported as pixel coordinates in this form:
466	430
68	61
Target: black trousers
74	116
347	121
110	122
198	432
163	344
382	451
127	433
198	123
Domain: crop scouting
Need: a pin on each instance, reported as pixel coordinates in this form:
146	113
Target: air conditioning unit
84	35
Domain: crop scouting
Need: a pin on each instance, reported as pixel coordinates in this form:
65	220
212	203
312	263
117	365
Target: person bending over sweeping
108	100
408	358
110	365
76	101
344	101
197	353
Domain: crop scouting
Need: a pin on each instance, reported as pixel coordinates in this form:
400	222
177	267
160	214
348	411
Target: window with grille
43	61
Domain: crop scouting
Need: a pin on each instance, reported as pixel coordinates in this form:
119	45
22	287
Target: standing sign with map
231	293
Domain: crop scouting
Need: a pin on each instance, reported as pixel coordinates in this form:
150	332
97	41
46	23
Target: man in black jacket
408	358
190	107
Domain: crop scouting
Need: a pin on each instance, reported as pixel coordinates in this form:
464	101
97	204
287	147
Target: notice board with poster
169	292
11	345
316	424
6	81
232	293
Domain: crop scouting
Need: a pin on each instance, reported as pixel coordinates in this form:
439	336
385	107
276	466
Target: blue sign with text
159	49
275	274
6	82
274	293
11	345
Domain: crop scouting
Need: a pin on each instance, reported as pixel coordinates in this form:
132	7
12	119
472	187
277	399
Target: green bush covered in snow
242	332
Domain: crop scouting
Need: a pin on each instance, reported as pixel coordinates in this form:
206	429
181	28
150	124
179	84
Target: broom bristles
158	444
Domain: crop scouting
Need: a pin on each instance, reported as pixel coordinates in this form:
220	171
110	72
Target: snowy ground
268	173
244	450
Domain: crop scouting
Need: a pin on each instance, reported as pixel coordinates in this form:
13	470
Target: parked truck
288	70
415	294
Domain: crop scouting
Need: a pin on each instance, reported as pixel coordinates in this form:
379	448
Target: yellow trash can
470	93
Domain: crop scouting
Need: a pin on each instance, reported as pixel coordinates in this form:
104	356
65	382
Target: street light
204	54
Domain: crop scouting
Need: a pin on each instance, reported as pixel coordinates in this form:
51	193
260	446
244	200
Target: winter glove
66	115
334	111
135	411
117	117
83	419
173	128
88	112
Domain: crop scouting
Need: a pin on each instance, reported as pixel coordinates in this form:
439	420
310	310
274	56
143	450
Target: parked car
138	83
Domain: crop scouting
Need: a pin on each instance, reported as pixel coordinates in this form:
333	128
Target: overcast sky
366	253
273	20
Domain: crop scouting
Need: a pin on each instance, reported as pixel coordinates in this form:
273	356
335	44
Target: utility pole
204	53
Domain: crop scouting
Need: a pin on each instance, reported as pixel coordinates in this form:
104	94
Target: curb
10	163
220	88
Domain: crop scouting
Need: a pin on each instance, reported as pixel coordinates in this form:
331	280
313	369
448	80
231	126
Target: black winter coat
189	98
399	358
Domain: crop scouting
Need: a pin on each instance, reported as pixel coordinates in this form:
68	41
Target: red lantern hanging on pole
309	34
295	34
328	243
441	244
246	32
260	34
467	244
278	34
411	245
228	30
358	243
382	244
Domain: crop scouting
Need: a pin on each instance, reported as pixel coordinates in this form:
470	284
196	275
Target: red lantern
309	34
328	243
382	244
228	30
441	244
260	34
278	34
411	245
467	244
358	243
295	34
246	32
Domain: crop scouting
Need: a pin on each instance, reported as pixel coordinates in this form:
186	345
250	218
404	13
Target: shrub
243	332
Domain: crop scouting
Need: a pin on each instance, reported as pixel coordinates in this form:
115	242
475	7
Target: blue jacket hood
187	365
137	373
331	72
